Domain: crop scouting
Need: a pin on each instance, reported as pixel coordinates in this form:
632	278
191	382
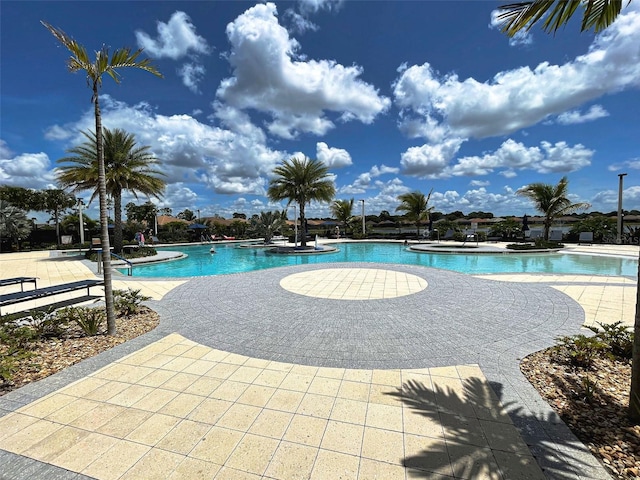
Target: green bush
90	320
580	349
617	337
127	302
47	323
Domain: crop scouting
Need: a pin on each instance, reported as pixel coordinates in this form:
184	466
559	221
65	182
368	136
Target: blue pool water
231	259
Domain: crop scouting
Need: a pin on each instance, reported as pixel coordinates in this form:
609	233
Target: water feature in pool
231	259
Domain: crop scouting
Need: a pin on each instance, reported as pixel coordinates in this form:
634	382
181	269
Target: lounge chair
470	236
228	238
586	238
555	236
448	235
534	235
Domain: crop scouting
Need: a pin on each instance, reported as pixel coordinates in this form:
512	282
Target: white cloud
313	6
176	39
429	160
28	170
270	76
575	116
231	160
435	161
479	183
364	180
523	37
192	74
629	164
298	23
332	157
518	98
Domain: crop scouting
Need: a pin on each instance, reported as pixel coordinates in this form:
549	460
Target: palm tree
551	201
129	167
301	181
416	206
267	224
79	60
598	15
342	210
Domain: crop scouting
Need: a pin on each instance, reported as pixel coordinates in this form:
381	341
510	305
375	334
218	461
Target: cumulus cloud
332	157
271	77
313	6
435	161
227	160
479	183
192	74
575	116
518	98
176	39
28	170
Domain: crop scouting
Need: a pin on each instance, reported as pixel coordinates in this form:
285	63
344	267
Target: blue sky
392	96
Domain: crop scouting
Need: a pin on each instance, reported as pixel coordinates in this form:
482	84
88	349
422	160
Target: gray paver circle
458	319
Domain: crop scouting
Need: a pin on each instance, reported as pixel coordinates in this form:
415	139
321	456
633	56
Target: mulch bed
593	403
51	355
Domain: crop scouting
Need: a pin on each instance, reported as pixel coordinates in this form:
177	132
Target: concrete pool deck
325	371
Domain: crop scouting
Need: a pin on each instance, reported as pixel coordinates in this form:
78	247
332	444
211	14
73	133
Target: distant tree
385	215
14	224
601	226
454	215
70	224
187	215
480	214
416	207
301	181
551	201
24	198
79	60
507	228
165	211
55	202
141	213
240	215
342	210
129	167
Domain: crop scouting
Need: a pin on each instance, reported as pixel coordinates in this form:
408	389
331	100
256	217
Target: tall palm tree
551	201
416	207
301	181
599	15
128	167
343	211
79	60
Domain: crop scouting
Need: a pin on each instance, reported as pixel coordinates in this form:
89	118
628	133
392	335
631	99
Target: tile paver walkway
314	381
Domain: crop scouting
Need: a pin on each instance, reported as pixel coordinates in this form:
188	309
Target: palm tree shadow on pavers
478	439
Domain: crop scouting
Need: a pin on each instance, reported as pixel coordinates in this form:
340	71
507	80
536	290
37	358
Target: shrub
127	302
618	337
47	323
580	349
90	320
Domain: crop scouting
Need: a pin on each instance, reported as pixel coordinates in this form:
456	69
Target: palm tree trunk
117	221
303	239
104	222
634	394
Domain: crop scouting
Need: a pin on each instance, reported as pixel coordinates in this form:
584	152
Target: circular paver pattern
353	283
457	319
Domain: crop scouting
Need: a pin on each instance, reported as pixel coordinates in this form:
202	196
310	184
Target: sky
392	96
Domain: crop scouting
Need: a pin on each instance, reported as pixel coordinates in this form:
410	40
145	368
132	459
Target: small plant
580	349
617	336
589	389
127	302
47	323
90	320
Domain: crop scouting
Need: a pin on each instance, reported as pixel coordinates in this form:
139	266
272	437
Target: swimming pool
231	259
